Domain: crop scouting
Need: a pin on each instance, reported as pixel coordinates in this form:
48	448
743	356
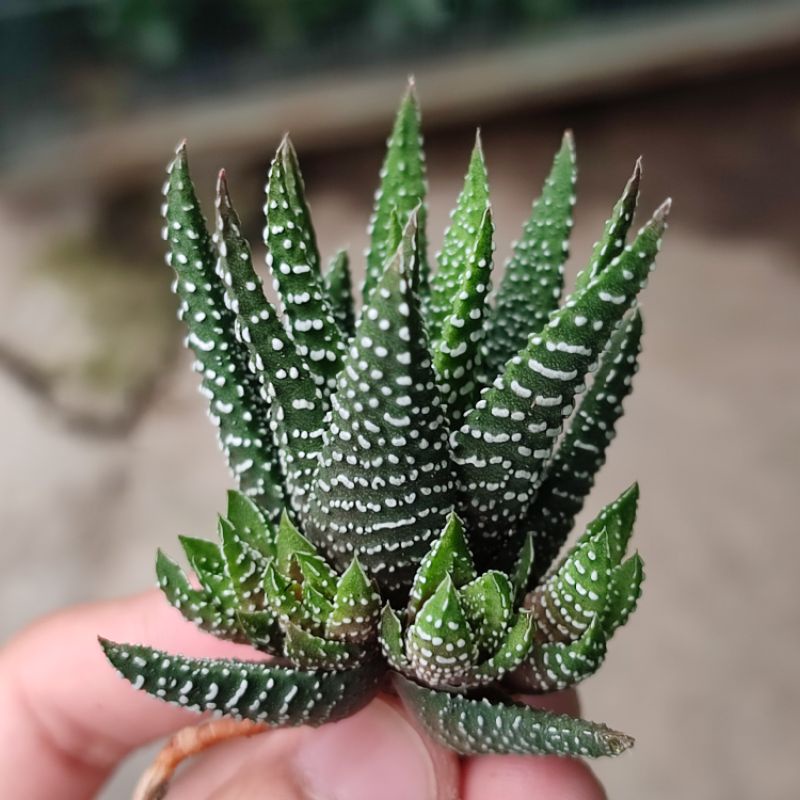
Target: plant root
187	742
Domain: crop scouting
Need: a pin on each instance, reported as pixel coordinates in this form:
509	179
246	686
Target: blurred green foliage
82	60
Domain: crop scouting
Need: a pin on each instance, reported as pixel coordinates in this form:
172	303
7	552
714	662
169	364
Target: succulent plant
409	474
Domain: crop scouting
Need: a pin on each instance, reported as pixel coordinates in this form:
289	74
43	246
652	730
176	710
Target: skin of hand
67	720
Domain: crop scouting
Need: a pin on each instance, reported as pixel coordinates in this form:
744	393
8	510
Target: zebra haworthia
409	472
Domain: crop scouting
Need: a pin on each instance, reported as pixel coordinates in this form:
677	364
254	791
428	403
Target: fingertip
394	762
525	777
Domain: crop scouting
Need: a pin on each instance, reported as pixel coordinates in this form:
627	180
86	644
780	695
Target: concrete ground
704	675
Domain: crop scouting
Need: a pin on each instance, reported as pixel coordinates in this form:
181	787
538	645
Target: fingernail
375	753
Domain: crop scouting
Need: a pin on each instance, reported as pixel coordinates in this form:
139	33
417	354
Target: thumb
375	753
67	718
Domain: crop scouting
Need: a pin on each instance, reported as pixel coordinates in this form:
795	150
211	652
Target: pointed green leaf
245	567
356	607
477	727
394	236
403	188
449	554
318	606
245	689
283	597
206	560
511	652
554	666
262	630
582	451
297	406
391	639
624	592
439	644
235	404
316	574
618	518
523	569
612	242
487	603
505	442
456	352
307	651
199	606
293	259
459	242
567	602
250	523
339	285
534	275
384	486
288	544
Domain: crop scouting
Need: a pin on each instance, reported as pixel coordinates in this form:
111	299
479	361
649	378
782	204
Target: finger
524	777
67	717
375	753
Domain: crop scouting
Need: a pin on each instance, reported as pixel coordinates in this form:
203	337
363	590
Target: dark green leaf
459	242
487	603
478	727
356	607
553	666
297	406
623	593
235	404
293	259
523	569
307	651
340	292
612	242
402	190
391	639
582	451
245	689
199	606
508	438
449	554
384	486
439	644
512	650
534	275
456	352
567	602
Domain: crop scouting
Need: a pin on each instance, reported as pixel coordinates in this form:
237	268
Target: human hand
67	721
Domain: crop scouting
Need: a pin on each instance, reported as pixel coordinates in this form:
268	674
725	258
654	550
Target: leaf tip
223	198
617	743
568	143
662	212
286	151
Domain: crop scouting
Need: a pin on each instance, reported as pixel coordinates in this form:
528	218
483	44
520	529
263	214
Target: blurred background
107	452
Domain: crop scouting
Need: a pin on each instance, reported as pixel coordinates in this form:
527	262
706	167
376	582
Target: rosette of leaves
409	472
463	630
269	586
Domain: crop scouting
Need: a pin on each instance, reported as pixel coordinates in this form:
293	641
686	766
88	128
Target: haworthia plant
408	474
